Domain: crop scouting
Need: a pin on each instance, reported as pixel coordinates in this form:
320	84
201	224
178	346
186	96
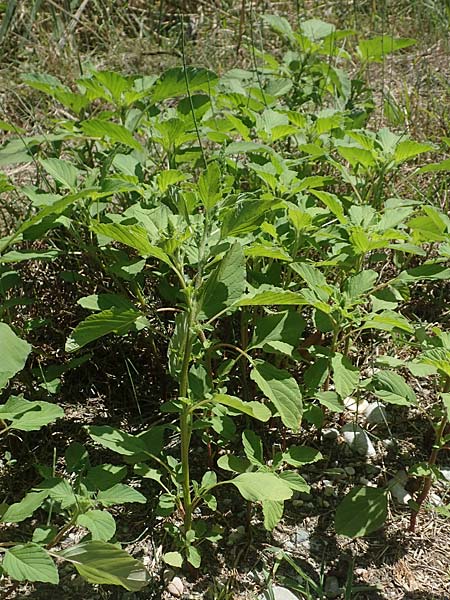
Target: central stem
186	423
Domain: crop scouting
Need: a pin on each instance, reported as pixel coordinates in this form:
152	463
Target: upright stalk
428	480
186	423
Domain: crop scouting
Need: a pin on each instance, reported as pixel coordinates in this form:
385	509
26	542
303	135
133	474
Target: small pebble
278	593
353	405
332	588
375	414
358	440
176	587
330	434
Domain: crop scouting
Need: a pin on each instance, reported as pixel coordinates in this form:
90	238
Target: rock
300	536
332	588
330	434
445	472
350	471
400	493
278	593
353	405
176	587
375	414
435	499
358	440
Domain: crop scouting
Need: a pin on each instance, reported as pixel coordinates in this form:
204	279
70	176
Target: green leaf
120	494
253	409
21	255
438	358
114	320
427	272
286	326
225	285
14	353
409	149
253	447
174	559
297	456
26	415
333	204
375	49
25	508
60	490
99	522
345	375
314	279
209	186
96	128
392	388
62	171
102	477
294	481
116	440
272	511
244	216
30	562
358	285
237	464
276	296
172	82
388	320
104	563
446	402
134	236
282	390
361	512
258	487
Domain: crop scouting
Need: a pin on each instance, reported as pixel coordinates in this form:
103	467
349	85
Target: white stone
330	434
358	440
176	587
353	405
400	493
279	593
375	413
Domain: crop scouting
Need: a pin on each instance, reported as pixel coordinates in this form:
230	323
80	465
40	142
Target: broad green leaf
105	302
96	128
272	297
237	464
282	390
244	216
375	49
172	82
446	401
253	447
104	563
294	481
388	320
297	456
225	285
21	255
174	559
25	508
409	149
27	415
263	250
209	186
331	400
444	165
392	388
316	29
357	156
59	490
428	272
62	171
99	522
104	476
14	353
286	326
438	358
360	284
253	409
134	236
258	487
272	511
345	375
120	494
333	204
30	562
116	440
362	511
314	279
280	25
114	320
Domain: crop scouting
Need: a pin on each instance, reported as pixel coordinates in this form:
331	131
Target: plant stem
186	425
428	480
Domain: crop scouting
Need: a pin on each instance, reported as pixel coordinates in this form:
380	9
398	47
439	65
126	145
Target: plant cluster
256	220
